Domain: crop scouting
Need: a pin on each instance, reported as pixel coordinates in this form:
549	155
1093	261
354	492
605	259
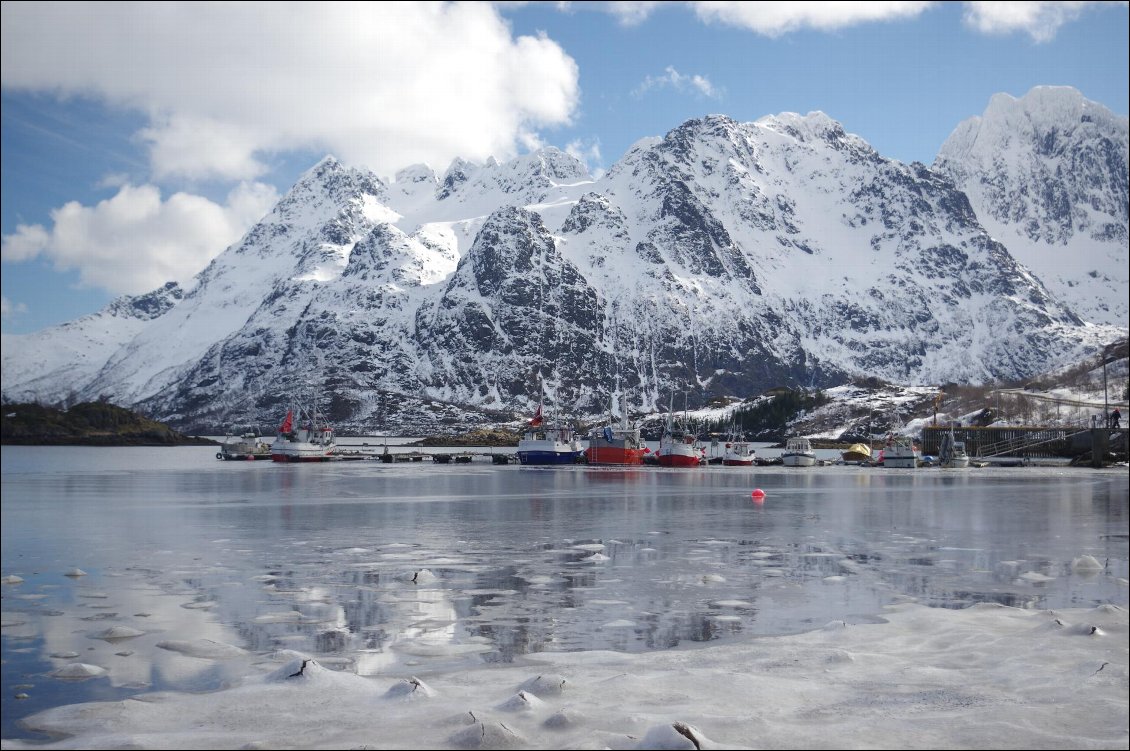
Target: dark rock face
150	305
515	310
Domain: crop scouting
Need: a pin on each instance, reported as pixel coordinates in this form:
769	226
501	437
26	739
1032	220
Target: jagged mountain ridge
723	258
1047	176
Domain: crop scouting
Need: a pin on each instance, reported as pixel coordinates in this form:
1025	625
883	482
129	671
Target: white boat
677	446
713	452
798	453
677	449
548	445
739	453
246	447
899	453
305	437
952	453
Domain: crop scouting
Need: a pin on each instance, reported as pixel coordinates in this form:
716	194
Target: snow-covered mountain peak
1045	115
1048	106
458	172
554	164
470	192
1047	175
416	173
326	185
724	257
813	130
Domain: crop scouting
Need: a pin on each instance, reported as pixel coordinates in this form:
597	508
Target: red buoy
758	493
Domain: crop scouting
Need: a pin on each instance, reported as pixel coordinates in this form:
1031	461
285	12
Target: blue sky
140	139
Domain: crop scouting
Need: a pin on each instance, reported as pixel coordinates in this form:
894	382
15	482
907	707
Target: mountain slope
723	258
1047	175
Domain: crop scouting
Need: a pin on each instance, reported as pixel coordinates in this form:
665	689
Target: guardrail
1030	442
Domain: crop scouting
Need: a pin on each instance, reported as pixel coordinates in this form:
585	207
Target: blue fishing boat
555	444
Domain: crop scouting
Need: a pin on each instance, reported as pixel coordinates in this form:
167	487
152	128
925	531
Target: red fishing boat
615	445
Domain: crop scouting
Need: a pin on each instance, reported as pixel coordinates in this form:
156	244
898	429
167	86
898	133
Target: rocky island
87	424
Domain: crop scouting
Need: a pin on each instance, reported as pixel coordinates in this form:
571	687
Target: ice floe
988	676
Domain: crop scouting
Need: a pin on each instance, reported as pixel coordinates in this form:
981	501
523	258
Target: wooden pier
407	455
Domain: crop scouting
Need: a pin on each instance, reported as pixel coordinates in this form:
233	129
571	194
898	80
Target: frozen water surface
461	584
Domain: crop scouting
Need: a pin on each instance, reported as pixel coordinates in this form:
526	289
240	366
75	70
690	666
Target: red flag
536	418
287	423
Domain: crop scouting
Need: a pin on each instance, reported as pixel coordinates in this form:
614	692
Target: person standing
1115	418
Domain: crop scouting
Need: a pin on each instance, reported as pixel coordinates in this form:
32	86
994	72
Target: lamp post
1106	403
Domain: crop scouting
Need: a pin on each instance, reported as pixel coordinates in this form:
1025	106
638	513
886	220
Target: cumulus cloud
226	85
776	18
631	13
672	78
135	241
9	308
587	151
1040	20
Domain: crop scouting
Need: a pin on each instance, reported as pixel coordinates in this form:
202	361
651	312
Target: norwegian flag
287	423
536	419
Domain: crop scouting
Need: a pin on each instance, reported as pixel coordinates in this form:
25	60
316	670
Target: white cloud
201	148
776	18
676	80
631	13
1040	20
9	308
25	244
587	152
226	85
134	242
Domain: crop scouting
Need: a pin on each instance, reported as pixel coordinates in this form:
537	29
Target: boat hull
237	457
291	457
900	461
619	446
679	459
798	453
247	448
738	454
554	446
619	455
301	451
543	456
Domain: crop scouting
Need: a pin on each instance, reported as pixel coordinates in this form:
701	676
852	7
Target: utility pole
1106	403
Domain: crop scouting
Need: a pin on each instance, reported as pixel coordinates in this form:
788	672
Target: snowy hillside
724	258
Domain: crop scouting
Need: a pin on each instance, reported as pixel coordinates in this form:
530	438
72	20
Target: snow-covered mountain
723	258
1047	176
